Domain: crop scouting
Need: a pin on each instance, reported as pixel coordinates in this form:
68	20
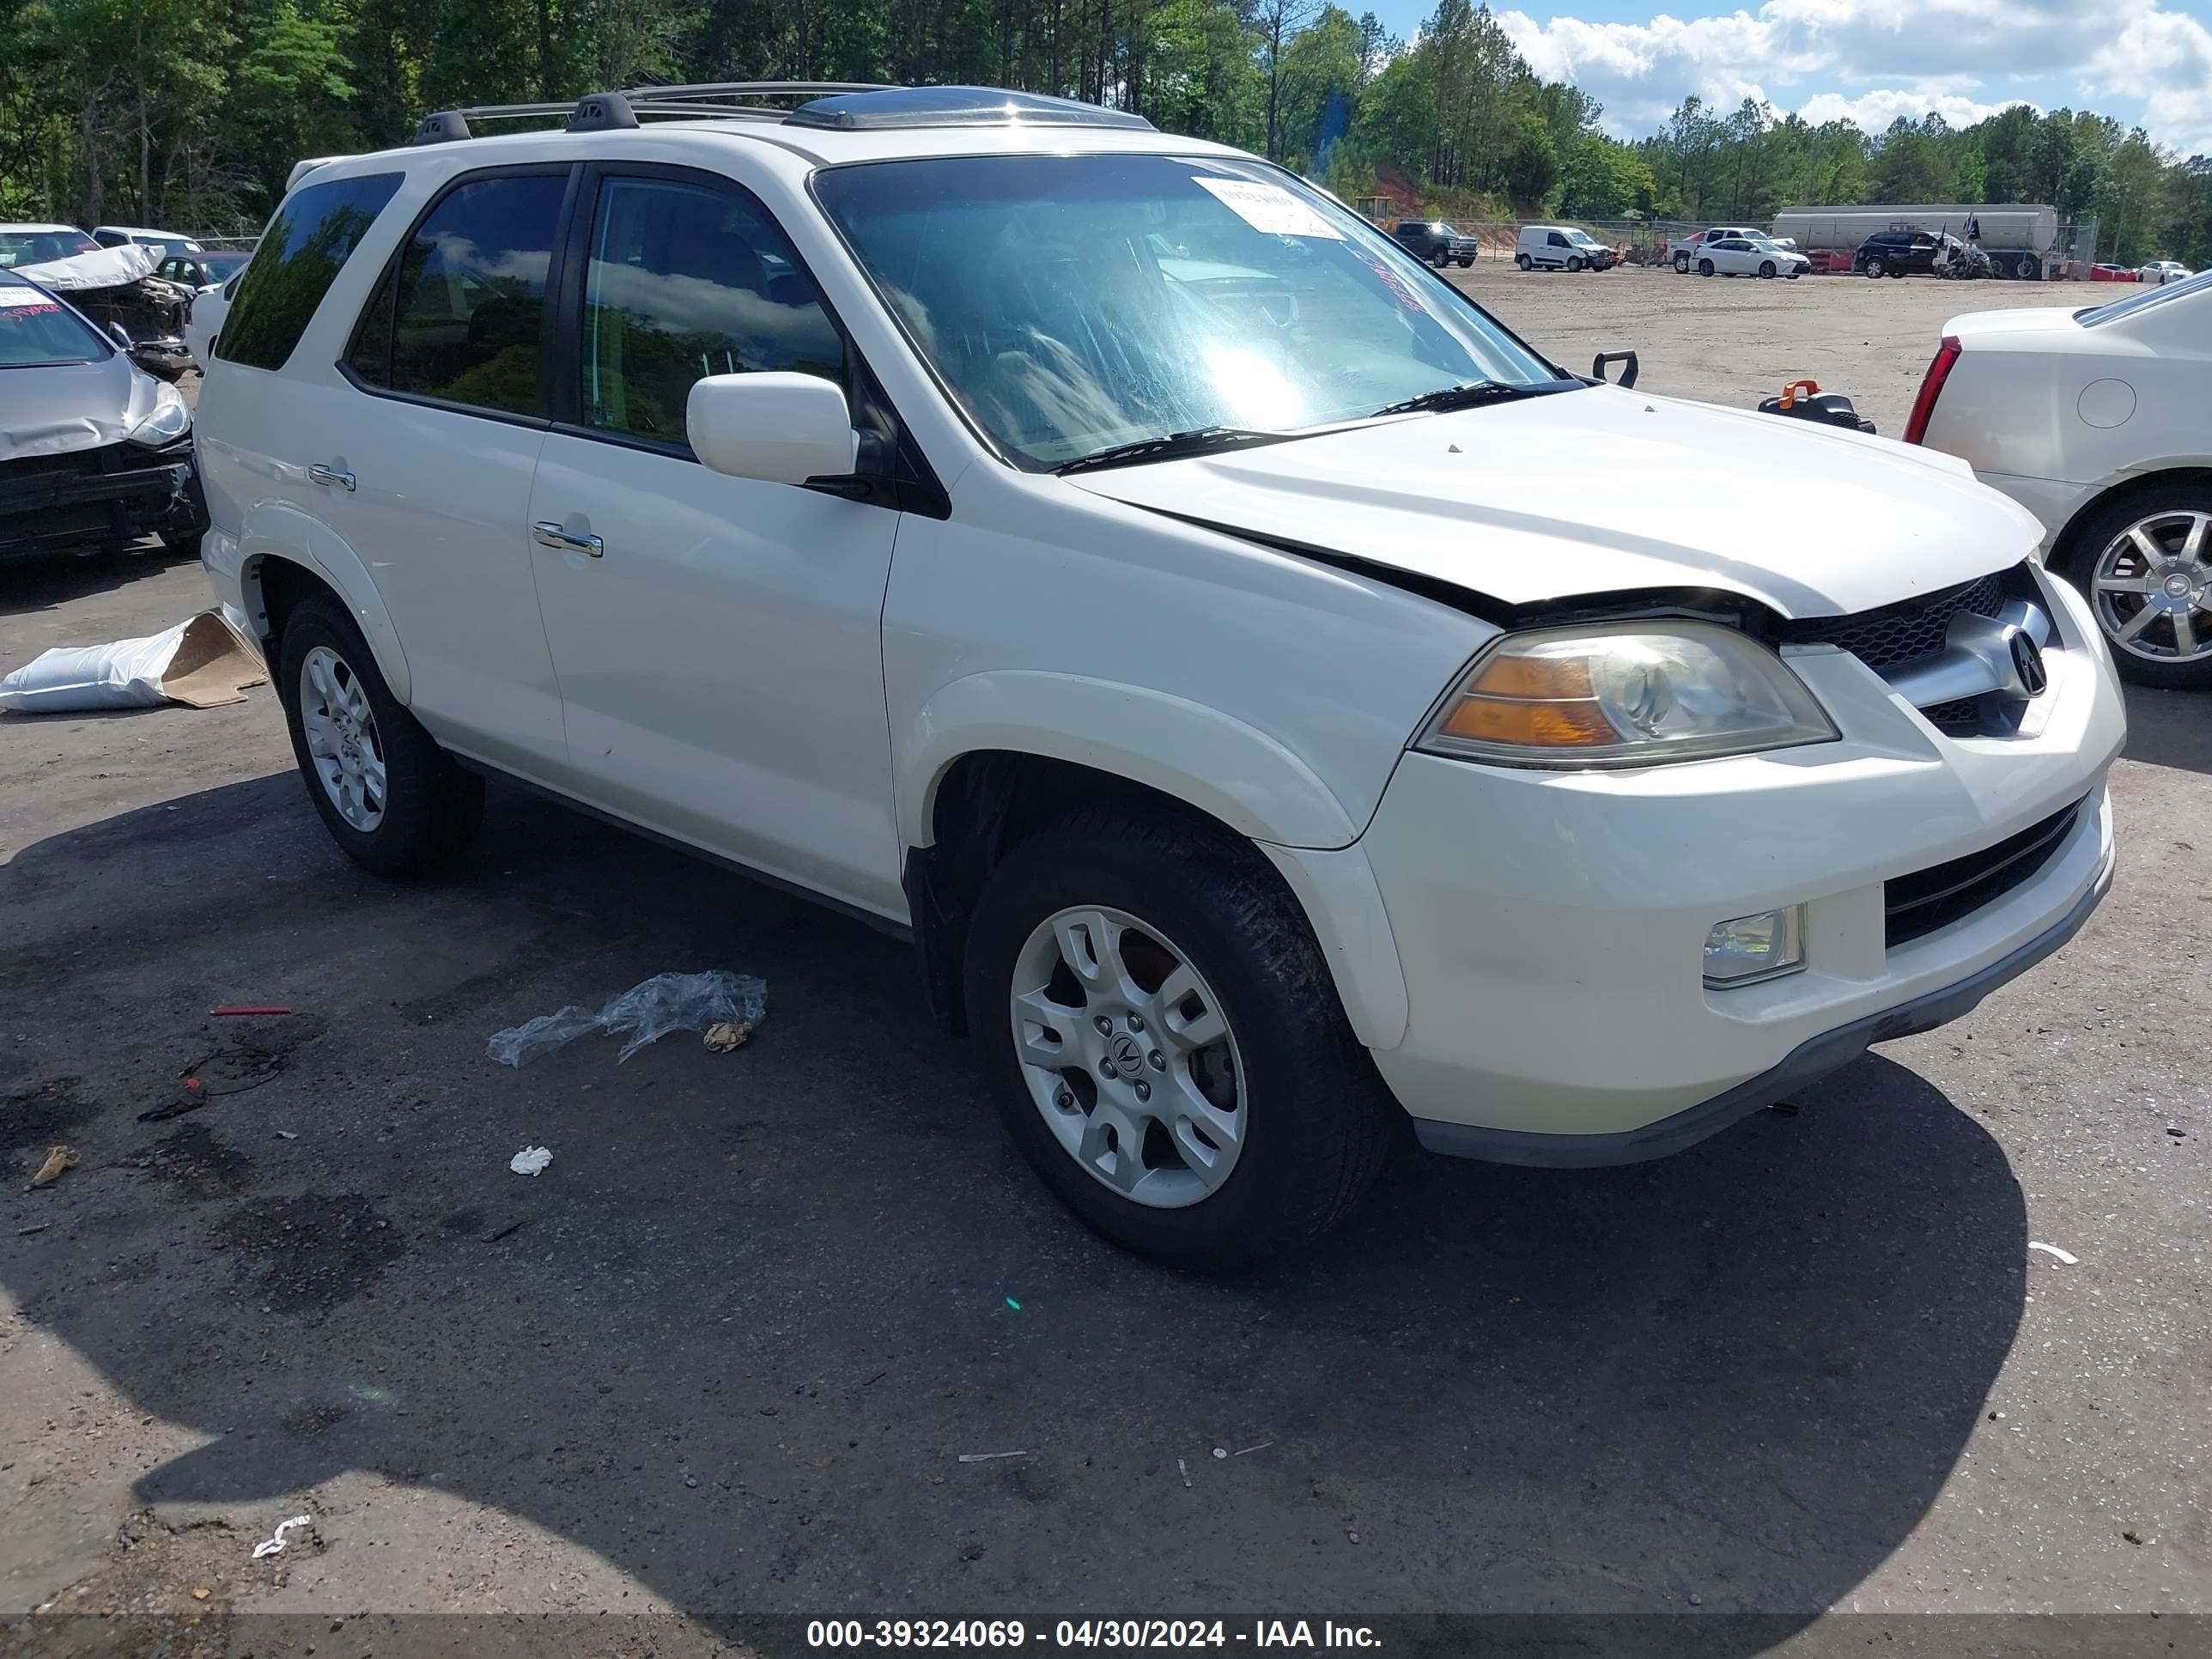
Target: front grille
75	463
1912	627
1963	715
1916	905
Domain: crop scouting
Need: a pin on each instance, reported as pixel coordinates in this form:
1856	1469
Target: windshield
2164	294
36	329
1581	238
36	247
1037	288
221	265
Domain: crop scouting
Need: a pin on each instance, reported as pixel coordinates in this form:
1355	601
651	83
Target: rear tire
1312	1120
1523	261
419	814
1682	264
2103	546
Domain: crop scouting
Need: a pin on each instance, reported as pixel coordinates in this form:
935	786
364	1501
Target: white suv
1258	682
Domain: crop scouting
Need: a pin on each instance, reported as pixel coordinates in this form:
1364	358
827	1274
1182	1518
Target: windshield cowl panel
1073	305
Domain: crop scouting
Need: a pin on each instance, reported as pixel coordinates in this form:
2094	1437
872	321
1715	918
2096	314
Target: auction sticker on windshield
1269	208
26	298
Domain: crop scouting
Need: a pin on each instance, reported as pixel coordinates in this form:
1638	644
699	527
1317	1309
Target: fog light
1756	947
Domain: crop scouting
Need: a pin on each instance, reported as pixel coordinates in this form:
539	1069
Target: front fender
276	529
1232	771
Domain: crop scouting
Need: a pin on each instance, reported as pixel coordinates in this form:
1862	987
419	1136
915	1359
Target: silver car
95	453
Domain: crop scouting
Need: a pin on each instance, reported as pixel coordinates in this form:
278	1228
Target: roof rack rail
600	111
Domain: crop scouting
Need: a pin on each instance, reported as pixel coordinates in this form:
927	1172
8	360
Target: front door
718	641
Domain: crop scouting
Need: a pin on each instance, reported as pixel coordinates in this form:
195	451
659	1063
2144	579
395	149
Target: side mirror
779	428
120	335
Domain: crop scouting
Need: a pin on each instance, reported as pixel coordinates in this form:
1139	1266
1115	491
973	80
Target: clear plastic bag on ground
649	1012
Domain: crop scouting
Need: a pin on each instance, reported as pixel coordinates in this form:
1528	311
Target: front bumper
99	499
1551	925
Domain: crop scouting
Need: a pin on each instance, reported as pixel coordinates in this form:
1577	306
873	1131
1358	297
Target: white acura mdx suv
1255	679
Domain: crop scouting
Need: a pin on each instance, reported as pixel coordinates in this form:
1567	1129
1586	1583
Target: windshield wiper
1200	440
1446	398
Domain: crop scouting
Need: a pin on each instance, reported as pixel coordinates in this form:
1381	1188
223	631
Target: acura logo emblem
2028	664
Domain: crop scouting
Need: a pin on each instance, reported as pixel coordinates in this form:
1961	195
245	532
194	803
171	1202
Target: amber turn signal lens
1509	675
1528	724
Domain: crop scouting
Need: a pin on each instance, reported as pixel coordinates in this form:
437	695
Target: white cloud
1873	112
1879	59
2166	59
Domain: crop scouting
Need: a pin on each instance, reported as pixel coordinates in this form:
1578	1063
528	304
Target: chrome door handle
323	475
549	534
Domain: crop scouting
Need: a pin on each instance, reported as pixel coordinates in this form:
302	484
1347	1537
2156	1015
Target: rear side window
684	282
307	245
461	314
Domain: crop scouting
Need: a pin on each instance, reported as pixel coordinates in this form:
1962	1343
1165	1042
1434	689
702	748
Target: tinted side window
300	256
683	282
460	315
1556	240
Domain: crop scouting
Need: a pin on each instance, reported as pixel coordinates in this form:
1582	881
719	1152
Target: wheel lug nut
1144	1090
1064	1099
1110	1068
1105	1025
1157	1060
1136	1022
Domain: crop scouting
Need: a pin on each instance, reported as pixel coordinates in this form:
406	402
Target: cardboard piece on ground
212	667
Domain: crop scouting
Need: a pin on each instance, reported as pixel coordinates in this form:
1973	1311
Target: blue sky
2142	61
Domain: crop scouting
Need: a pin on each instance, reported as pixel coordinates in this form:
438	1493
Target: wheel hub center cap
1127	1057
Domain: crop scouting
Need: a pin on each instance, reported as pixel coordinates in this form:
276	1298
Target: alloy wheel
342	738
2152	587
1129	1055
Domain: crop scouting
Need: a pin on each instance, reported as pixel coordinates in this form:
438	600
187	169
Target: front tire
2154	610
1466	264
1163	1042
1766	269
1705	267
1873	269
391	799
1574	262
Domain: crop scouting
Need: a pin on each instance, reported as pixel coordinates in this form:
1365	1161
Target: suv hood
1602	492
53	409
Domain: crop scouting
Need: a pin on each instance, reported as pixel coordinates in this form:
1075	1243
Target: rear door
430	461
719	645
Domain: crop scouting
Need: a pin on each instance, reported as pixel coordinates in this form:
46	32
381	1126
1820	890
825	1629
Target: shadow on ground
742	1330
2170	728
48	584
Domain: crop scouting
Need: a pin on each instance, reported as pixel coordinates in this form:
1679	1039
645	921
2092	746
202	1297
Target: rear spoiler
302	169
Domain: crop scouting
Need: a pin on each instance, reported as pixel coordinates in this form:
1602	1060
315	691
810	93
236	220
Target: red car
2112	274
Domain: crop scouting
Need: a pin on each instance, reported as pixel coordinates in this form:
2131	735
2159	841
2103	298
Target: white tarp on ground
112	267
202	664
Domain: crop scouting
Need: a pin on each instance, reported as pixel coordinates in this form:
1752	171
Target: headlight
169	422
1628	694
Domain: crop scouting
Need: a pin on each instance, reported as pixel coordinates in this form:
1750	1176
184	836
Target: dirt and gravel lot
1736	339
726	1356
